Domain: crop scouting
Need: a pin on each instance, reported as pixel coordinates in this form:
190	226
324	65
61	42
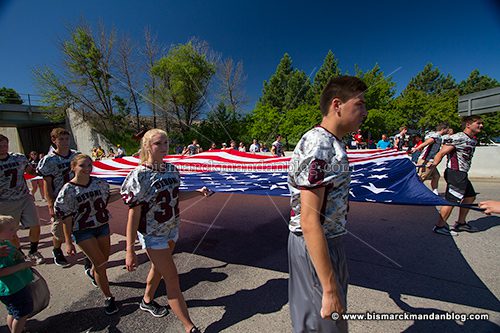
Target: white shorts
23	210
159	242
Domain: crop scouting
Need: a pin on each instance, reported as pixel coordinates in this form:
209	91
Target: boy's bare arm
423	145
49	194
314	236
445	150
16	268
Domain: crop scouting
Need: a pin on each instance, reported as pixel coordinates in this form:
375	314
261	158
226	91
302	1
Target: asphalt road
232	263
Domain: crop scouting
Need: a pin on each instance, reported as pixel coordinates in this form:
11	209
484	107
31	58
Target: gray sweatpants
304	288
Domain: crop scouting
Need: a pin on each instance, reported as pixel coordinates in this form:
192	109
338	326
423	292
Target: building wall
15	144
84	136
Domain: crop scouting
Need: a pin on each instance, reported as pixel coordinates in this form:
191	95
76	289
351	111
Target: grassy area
123	138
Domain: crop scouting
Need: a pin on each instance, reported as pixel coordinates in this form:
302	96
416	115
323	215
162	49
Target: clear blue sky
456	36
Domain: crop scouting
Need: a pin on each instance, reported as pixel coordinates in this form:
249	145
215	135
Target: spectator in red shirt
360	141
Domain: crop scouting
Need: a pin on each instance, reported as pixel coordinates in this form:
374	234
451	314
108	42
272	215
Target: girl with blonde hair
152	193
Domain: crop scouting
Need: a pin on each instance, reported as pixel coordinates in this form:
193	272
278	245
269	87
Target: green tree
409	108
221	125
286	90
441	108
184	76
297	91
382	117
9	96
55	94
431	81
476	82
86	81
263	121
329	68
491	126
275	89
380	122
298	121
381	89
421	111
429	99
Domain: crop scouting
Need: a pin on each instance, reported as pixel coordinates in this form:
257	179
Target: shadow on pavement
243	304
187	280
251	231
441	325
85	320
432	265
390	248
485	223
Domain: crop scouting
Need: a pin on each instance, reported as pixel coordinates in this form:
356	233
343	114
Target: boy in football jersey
318	180
460	150
447	136
56	171
429	149
400	139
15	199
277	147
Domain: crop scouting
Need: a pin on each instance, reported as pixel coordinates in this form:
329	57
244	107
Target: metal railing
27	99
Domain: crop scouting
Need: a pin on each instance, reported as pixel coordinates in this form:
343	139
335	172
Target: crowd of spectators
98	153
255	147
358	140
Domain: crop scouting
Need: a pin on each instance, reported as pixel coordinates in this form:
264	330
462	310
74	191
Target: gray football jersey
445	138
278	148
430	151
86	204
12	183
158	194
320	160
58	168
461	157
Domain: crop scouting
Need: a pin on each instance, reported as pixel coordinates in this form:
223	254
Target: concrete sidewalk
236	280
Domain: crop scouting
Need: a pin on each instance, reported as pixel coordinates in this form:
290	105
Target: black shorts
20	304
458	186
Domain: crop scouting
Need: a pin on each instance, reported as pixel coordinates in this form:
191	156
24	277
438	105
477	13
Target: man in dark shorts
460	150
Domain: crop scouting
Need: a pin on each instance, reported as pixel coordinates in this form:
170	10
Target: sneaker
194	329
154	308
36	257
110	306
89	273
59	258
87	264
444	231
464	227
435	191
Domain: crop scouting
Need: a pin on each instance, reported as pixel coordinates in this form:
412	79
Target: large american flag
385	176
